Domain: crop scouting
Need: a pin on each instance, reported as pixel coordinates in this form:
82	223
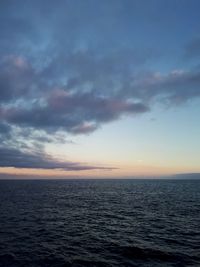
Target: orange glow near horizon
122	171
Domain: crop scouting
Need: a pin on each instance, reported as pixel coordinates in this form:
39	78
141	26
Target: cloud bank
10	157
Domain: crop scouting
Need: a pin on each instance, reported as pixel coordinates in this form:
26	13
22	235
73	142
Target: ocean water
99	223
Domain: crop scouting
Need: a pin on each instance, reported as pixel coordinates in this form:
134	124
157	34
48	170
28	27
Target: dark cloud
173	88
90	91
75	113
192	49
17	78
5	131
4	128
51	108
10	157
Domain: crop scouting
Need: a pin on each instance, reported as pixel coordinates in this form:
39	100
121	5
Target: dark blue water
100	223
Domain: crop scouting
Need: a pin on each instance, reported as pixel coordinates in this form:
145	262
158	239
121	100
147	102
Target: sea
109	222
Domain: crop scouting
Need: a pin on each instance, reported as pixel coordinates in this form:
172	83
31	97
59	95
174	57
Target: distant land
187	176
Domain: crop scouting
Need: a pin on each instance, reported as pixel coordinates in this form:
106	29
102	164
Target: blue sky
99	88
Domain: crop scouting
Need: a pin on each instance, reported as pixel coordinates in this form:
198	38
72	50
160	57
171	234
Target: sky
95	88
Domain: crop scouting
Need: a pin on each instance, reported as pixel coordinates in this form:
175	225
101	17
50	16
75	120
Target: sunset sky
92	88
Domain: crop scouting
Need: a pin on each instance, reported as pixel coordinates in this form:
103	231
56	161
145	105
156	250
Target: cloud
192	49
5	131
10	157
16	78
84	98
34	111
75	113
176	87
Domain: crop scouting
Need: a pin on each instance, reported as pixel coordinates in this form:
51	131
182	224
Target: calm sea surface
100	223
